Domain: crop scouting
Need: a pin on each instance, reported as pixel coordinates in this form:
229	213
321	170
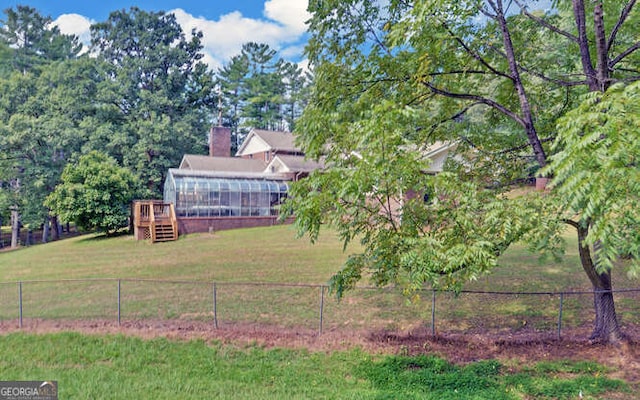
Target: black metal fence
308	306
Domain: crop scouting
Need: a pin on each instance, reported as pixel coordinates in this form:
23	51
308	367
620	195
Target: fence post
119	302
433	313
215	305
321	309
20	302
560	315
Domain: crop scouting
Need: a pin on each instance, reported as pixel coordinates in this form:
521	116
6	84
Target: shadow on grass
100	236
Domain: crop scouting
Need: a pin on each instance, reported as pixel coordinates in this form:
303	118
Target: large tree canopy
394	78
159	93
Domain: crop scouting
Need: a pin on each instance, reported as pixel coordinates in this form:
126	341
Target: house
220	191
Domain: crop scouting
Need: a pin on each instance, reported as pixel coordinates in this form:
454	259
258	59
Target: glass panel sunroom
196	195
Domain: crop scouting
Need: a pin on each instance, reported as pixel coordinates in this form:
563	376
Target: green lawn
271	254
247	255
118	367
94	367
237	259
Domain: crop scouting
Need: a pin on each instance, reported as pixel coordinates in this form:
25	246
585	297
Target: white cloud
75	24
282	28
222	39
290	13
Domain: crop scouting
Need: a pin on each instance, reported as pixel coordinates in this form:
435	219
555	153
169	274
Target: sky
226	24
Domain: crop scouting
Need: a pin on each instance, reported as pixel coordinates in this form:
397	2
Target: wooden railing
155	220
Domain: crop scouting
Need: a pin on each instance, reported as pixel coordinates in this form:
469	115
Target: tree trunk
606	328
45	230
55	228
15	227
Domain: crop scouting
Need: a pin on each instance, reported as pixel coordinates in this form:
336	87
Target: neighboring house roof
222	164
438	153
288	163
258	141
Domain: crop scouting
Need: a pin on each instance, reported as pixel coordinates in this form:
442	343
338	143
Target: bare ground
513	348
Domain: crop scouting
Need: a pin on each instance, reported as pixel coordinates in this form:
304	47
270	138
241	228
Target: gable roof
439	147
288	163
438	153
272	140
221	164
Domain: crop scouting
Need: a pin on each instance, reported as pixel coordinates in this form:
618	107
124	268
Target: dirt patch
623	359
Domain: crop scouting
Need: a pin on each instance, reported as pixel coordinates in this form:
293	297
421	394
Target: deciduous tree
162	92
597	181
95	193
395	78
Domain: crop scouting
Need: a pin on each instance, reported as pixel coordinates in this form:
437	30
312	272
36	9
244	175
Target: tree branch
453	117
545	24
583	41
625	53
475	55
630	70
487	13
478	99
571	222
459	72
630	79
373	33
559	82
505	151
623	17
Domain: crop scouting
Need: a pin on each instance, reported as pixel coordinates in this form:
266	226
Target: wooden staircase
155	220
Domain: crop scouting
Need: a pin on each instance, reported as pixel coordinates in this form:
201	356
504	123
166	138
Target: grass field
118	367
270	254
183	273
236	260
246	255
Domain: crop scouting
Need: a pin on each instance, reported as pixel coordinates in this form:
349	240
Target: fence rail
303	305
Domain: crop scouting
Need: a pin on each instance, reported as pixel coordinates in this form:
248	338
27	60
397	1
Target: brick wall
188	225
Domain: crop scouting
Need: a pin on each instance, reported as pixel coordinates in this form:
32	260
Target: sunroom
203	194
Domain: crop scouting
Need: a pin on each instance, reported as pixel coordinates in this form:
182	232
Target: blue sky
226	24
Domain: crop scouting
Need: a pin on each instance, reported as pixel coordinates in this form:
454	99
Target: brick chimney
220	142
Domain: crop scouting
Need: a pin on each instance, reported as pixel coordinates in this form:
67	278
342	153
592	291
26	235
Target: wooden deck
155	220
